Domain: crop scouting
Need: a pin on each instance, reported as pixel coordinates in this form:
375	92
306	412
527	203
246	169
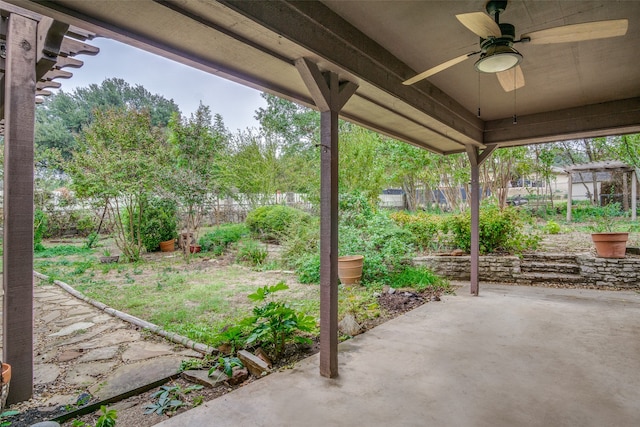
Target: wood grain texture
20	87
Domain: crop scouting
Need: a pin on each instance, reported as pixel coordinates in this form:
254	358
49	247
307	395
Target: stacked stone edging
571	270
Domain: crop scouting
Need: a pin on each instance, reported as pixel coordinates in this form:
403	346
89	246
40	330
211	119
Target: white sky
185	85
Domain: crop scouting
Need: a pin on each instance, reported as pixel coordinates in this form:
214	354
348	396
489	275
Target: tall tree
194	177
63	115
117	165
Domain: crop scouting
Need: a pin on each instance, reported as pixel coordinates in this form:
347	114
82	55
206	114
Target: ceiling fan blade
579	32
511	79
481	24
431	71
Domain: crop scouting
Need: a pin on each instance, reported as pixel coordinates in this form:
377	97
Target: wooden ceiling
572	90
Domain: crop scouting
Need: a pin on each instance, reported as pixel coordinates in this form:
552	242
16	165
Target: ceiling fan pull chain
478	95
515	90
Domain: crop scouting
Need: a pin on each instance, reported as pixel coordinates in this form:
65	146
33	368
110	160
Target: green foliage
62	250
419	278
271	222
91	241
551	227
387	248
195	176
307	268
428	230
607	221
500	230
117	164
4	422
355	209
275	323
226	365
233	336
159	222
39	229
169	399
107	418
252	252
218	240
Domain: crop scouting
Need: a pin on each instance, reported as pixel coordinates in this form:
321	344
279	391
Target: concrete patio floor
514	356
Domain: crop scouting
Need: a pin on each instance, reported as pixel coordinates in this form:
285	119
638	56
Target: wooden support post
474	203
330	96
634	195
19	91
476	159
569	196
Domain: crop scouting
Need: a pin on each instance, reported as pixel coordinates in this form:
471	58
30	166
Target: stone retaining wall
581	270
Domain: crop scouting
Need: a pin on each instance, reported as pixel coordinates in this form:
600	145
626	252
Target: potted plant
107	258
159	225
609	241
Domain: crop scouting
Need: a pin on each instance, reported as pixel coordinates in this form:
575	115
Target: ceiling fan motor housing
498	53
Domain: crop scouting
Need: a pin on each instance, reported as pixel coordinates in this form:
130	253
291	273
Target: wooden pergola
607	166
347	60
36	50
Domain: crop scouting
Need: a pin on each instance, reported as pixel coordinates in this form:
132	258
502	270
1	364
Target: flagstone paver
79	347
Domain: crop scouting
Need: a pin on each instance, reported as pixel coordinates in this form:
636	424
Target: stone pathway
79	348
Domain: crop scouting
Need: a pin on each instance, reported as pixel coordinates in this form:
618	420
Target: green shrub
500	230
159	222
428	230
39	229
218	240
551	227
252	252
308	268
386	247
270	223
355	209
419	278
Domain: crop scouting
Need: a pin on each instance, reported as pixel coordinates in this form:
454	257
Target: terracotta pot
195	249
4	384
168	245
350	269
610	245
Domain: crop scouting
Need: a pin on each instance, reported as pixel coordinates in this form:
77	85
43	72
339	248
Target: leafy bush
275	323
386	247
252	252
39	229
428	230
270	223
159	222
419	278
355	209
218	240
308	268
551	227
500	230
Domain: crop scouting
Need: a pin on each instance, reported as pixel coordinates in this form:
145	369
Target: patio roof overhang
572	90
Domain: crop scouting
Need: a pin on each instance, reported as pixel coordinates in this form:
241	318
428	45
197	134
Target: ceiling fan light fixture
497	58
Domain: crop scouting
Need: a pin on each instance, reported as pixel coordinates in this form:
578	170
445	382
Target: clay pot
350	269
4	384
195	249
168	245
610	245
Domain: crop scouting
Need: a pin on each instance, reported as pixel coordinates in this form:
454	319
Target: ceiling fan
497	54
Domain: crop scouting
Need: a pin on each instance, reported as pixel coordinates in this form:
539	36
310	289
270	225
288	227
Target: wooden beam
330	95
50	35
569	197
634	196
474	203
318	29
607	118
20	87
